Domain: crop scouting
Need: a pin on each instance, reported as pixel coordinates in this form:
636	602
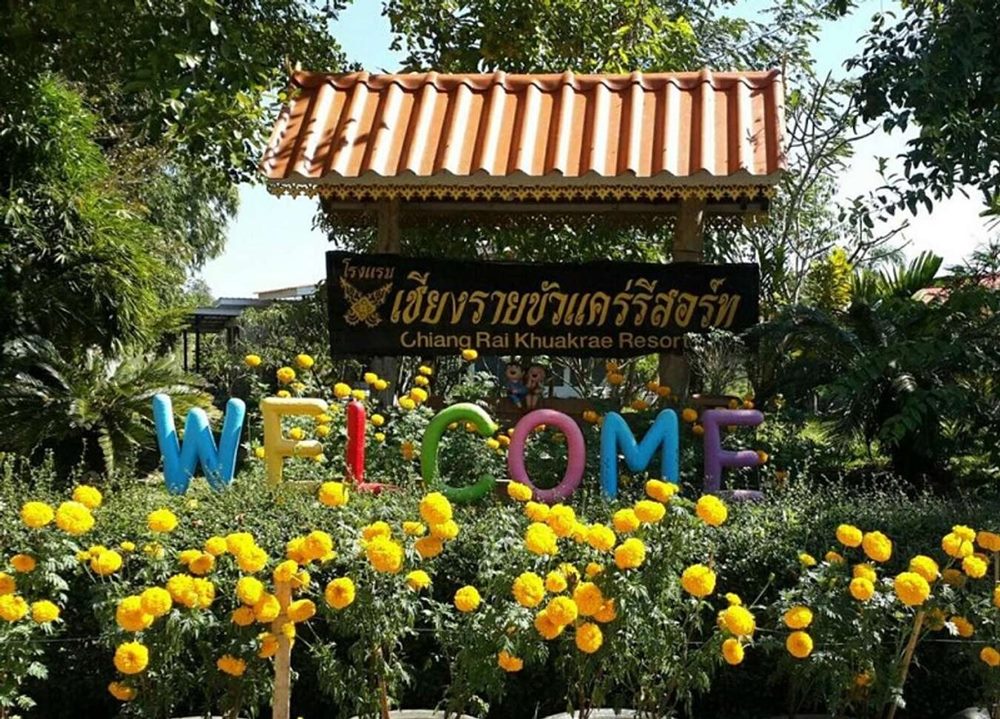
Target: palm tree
90	407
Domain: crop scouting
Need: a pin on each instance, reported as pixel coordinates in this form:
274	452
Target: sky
272	242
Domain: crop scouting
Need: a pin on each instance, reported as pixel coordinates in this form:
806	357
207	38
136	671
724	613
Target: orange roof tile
662	130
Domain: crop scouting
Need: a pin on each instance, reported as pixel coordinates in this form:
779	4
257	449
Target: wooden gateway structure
678	148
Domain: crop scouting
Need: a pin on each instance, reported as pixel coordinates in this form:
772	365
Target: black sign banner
394	305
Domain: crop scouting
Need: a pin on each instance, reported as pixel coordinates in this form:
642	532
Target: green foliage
78	262
829	282
95	407
929	67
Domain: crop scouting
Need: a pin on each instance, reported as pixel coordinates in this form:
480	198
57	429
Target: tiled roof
340	134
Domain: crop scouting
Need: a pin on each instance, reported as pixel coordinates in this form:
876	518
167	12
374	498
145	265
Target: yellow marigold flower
267	609
215	546
470	355
259	452
639	405
996	595
601	537
285	375
911	588
555	582
547	628
155	601
711	510
154	550
131	658
268	645
418	579
317	546
732	651
43	611
249	590
36	514
518	492
23	563
243	616
89	497
660	491
428	547
963	626
381	385
528	590
834	557
445	530
590	416
738	620
407	404
7	584
297	433
588	598
358	395
285	571
379	437
862	589
435	508
866	571
762	456
536	511
187	556
698	580
697	430
425	370
955	546
233	666
121	692
799	644
540	539
562	519
615	379
966	533
106	563
162	520
333	494
689	414
974	566
625	521
733	599
252	561
370	378
384	554
562	611
304	361
849	535
989	541
205	591
508	662
13	608
414	529
589	637
130	615
418	395
648	511
807	560
607	612
467	599
341	390
925	567
376	529
202	564
989	655
252	361
339	593
74	518
301	610
877	546
798	617
630	554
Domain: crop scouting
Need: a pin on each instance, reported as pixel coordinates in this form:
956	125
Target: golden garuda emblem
364	305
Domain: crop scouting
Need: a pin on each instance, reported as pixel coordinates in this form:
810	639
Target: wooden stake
911	646
282	699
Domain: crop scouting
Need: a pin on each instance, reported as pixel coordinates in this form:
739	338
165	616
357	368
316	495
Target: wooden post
281	704
388	242
689	246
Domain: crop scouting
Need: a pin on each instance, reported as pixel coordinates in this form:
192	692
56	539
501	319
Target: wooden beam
437	207
388	241
689	246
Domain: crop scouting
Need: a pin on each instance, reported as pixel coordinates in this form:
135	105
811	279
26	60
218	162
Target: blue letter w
181	460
